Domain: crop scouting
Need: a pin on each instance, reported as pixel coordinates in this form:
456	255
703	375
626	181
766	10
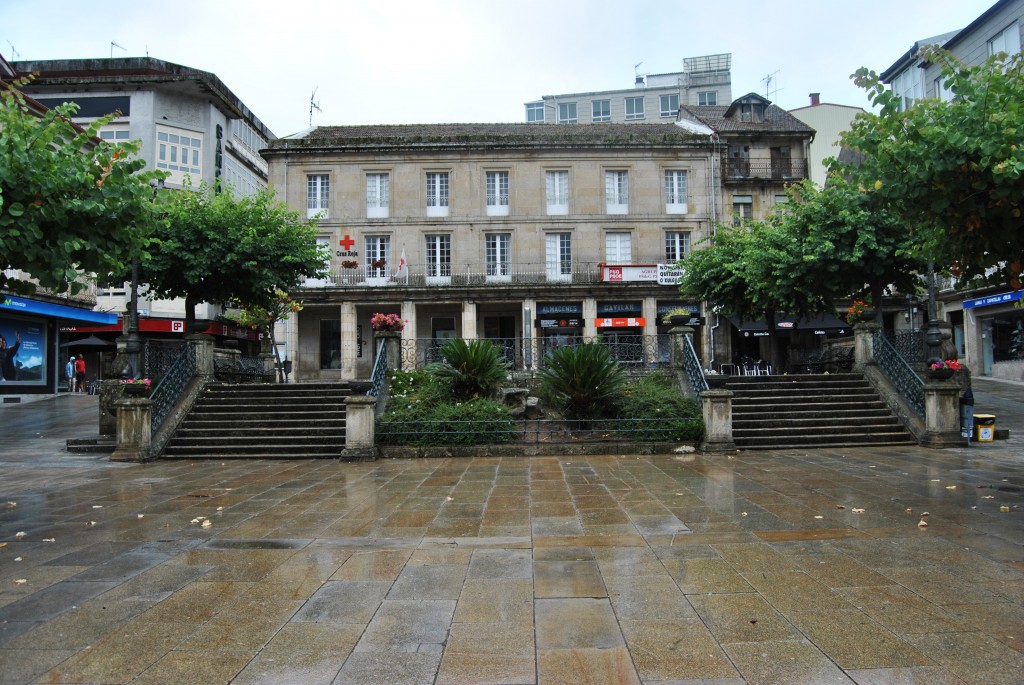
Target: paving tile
854	641
500	563
647	598
344	601
495	601
383	564
706	575
567	579
389	668
923	675
974	657
794	590
25	665
407	626
576	624
788	662
276	667
675	650
195	666
742	618
582	665
902	611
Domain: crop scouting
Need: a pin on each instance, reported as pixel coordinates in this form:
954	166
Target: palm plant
473	369
584	381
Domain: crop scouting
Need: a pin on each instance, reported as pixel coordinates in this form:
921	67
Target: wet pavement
797	566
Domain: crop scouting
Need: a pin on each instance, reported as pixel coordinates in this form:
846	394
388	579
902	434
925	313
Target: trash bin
985	427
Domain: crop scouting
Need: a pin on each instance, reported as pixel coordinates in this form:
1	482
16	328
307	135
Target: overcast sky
443	61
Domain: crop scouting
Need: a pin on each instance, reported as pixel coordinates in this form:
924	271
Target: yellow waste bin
985	427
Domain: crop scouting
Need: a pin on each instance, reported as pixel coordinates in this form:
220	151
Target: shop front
994	333
558	324
620	326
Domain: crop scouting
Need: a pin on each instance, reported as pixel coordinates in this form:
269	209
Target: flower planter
942	374
136	390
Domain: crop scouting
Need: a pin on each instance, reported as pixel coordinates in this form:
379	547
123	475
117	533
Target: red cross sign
347	242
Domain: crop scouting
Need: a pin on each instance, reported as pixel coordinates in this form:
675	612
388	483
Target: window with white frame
909	86
321	242
497	193
248	136
677	245
618	247
1007	40
498	255
941	92
675	191
241	181
378	195
616	192
567	113
437	193
557	192
115	133
602	110
318	192
669	105
707	97
558	256
439	258
377	255
179	152
742	208
535	111
634	108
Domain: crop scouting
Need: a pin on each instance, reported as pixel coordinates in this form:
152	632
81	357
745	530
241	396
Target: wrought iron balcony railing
781	170
497	273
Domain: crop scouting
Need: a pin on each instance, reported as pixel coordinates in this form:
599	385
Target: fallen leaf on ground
207	523
11	505
988	497
20	581
858	510
2	545
840	506
91	523
97	506
909	510
819	517
1004	508
49	539
951	487
141	515
922	524
20	534
17	558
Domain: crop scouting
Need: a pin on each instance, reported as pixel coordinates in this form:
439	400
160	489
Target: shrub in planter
658	411
584	382
477	422
473	368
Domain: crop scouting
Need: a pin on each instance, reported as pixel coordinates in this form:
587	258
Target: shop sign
1002	298
559	323
669	274
665	307
619	308
629	273
346	244
693	321
559	308
621	323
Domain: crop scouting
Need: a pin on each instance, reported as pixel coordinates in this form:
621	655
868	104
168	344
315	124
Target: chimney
815	99
639	81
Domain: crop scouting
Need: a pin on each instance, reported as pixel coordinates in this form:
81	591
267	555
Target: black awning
820	324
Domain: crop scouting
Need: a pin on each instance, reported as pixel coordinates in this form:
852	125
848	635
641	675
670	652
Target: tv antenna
14	52
636	69
115	45
313	104
768	81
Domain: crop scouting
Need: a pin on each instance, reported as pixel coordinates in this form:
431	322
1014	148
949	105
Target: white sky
445	61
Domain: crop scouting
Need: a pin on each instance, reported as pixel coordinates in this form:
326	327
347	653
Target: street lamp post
133	342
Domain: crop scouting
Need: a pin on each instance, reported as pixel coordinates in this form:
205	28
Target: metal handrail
907	381
172	386
693	368
380	369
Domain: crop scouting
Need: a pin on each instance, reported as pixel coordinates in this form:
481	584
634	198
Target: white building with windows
189	123
705	80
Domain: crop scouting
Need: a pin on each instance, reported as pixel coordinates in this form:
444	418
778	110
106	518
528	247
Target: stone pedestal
110	394
717	405
204	347
360	437
942	414
392	340
134	430
863	345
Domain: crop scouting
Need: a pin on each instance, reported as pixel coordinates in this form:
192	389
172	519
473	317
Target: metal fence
172	385
907	381
498	431
157	359
910	345
693	367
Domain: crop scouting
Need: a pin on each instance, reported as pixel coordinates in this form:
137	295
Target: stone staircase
263	421
814	410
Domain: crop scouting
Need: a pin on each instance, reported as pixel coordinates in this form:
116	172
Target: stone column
589	317
134	430
393	342
717	405
678	334
203	345
359	428
650	314
942	414
863	350
469	328
349	339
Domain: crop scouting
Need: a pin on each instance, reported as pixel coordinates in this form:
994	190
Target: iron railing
172	385
499	273
380	369
560	432
157	359
910	345
693	367
634	351
242	370
780	170
907	381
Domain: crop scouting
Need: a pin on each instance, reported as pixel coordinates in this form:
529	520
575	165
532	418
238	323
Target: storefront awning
21	305
820	324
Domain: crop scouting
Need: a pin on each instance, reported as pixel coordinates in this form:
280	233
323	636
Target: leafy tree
213	247
584	381
474	368
68	203
952	170
264	319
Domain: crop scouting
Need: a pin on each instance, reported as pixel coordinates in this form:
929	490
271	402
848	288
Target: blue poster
22	351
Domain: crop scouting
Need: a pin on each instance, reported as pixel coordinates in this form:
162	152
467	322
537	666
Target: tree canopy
213	247
951	169
68	203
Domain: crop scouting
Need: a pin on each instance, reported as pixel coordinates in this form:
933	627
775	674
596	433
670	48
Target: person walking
80	373
69	371
8	372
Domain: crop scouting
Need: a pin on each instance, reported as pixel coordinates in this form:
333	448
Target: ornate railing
910	345
380	369
172	385
694	370
741	169
907	381
242	370
157	359
634	351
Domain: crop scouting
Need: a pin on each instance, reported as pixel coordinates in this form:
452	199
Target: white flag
403	267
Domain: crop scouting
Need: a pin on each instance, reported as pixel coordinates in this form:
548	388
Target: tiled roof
777	120
492	136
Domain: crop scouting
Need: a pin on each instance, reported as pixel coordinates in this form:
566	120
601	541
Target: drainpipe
714	220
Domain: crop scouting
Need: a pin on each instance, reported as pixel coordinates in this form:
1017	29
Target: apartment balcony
499	274
85	297
744	171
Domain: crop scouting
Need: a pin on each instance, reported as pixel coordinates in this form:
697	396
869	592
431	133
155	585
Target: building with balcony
704	80
190	125
988	327
527	234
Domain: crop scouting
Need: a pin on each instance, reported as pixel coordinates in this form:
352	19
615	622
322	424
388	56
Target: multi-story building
705	80
988	329
527	234
828	120
190	125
